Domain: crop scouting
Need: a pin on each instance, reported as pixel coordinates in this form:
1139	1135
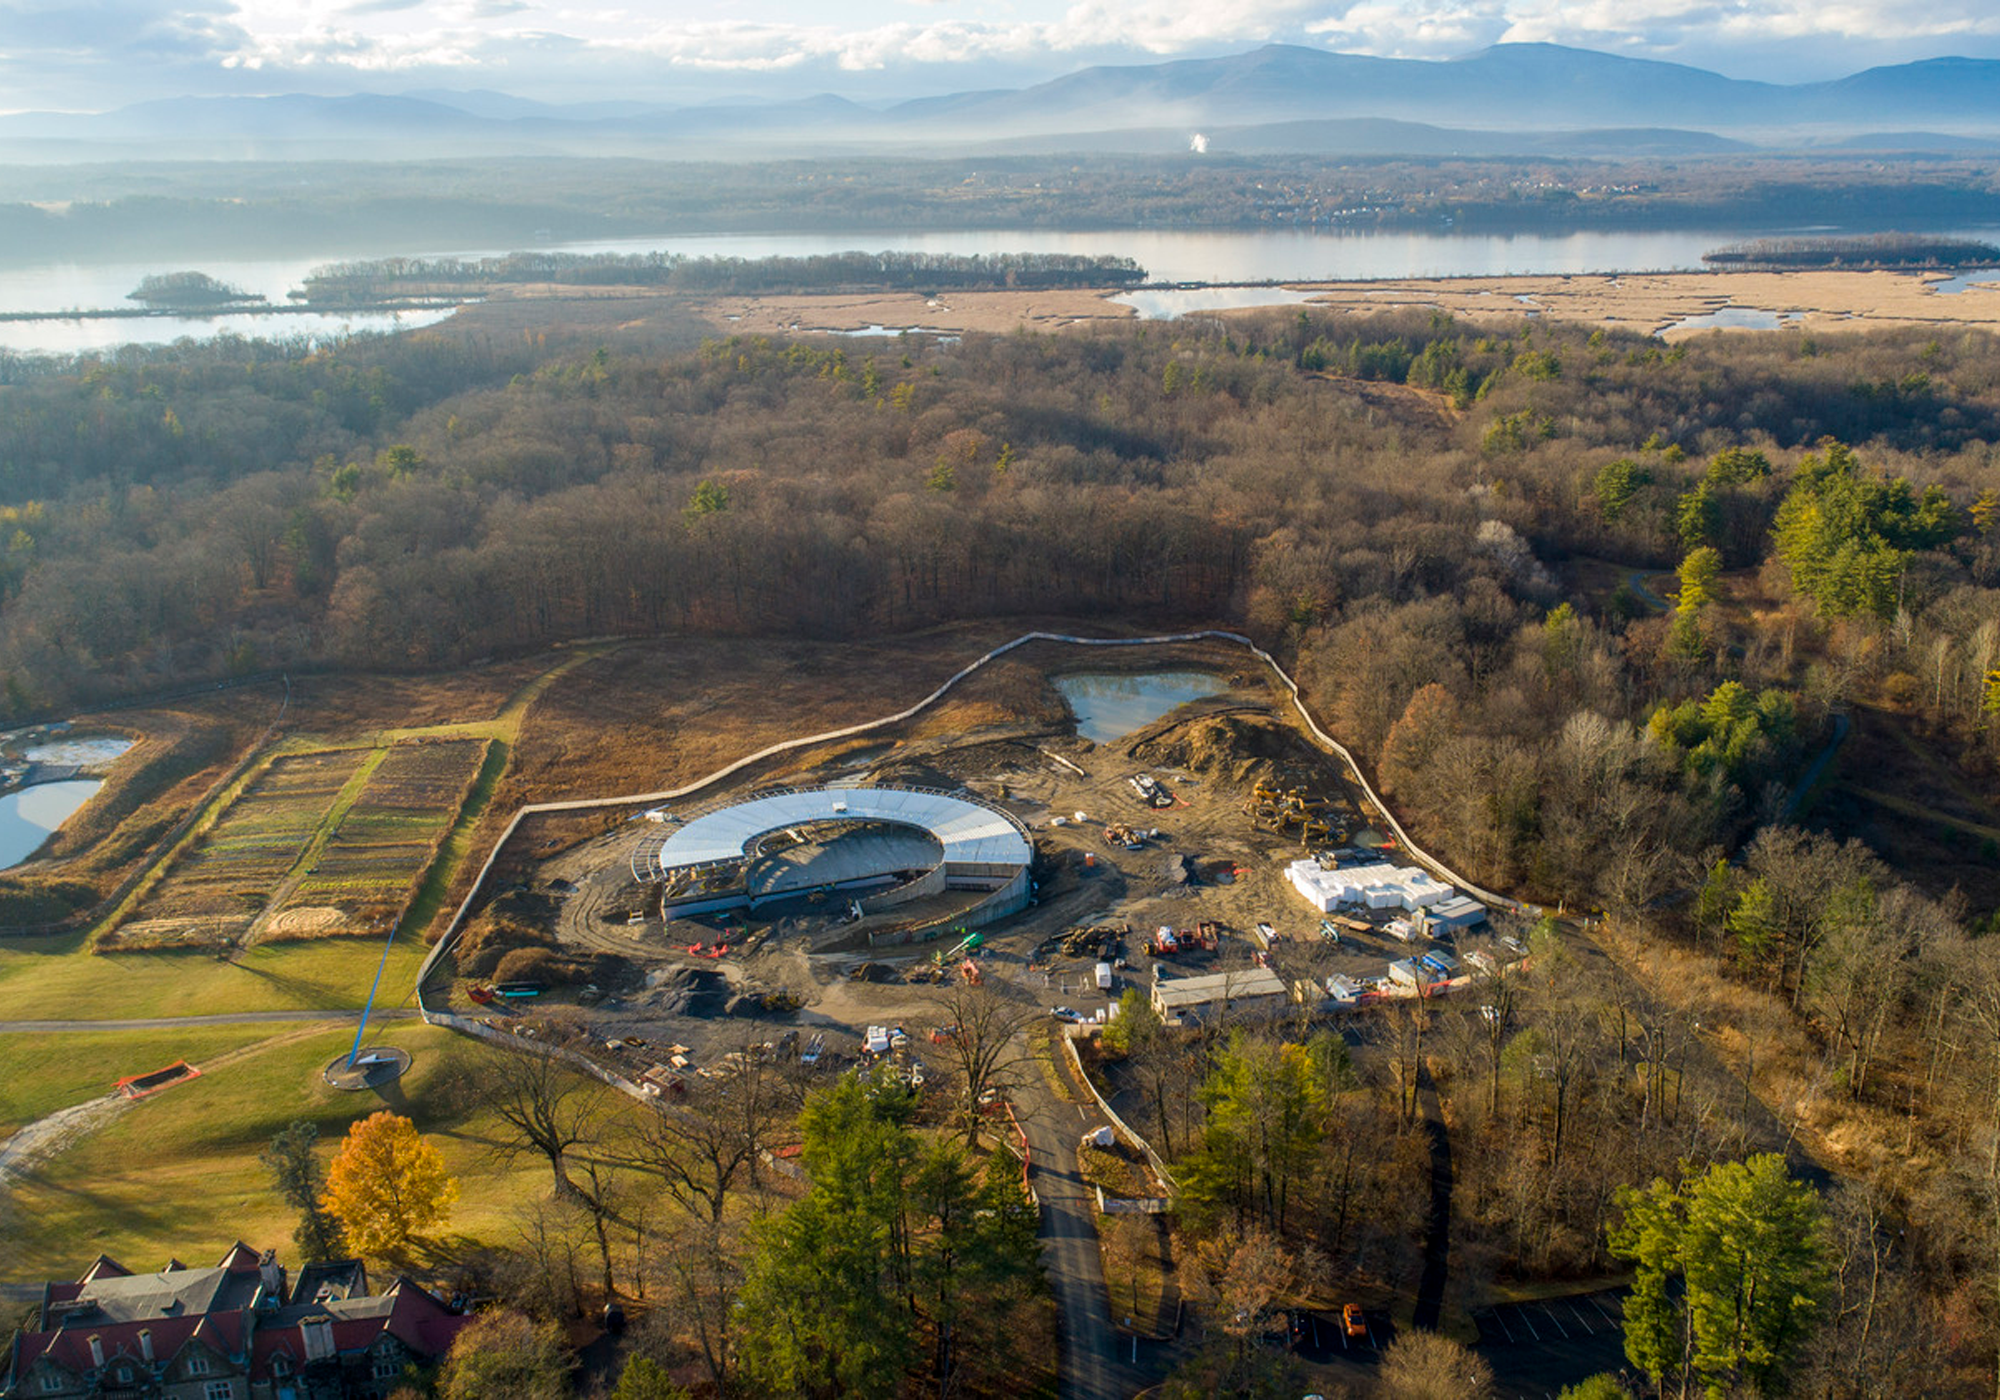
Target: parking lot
1538	1348
1320	1337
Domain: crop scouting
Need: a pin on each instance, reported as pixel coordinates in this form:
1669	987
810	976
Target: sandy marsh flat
1656	303
1651	303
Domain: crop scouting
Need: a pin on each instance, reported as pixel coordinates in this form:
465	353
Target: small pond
879	329
29	816
1110	707
1165	303
92	751
1736	318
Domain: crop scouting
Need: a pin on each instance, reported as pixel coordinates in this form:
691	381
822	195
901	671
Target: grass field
52	980
177	1174
42	1073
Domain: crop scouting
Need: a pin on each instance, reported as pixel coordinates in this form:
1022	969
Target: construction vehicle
971	943
969	970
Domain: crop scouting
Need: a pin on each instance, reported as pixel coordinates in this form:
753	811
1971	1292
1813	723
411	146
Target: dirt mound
875	972
691	991
1233	748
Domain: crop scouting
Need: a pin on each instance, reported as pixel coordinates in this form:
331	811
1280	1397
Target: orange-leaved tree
387	1187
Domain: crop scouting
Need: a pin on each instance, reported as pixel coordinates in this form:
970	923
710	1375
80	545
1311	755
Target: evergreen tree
1728	1268
300	1181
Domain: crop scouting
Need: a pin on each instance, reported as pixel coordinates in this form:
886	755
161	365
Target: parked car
1065	1013
1354	1320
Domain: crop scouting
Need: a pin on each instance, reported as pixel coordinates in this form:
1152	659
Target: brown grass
1653	303
1754	1032
1136	1269
179	756
347	705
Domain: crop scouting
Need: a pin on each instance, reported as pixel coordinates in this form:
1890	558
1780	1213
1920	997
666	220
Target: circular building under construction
876	847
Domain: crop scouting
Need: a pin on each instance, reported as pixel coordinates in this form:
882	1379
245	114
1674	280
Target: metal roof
971	832
1218	986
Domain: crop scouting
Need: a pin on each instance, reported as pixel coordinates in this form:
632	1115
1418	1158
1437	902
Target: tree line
371	281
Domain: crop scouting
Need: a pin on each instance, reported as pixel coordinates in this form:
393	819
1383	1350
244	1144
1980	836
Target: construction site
824	912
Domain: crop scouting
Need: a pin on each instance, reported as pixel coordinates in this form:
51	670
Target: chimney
96	1350
317	1335
146	1343
273	1276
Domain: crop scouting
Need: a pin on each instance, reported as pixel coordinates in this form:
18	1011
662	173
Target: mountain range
1510	99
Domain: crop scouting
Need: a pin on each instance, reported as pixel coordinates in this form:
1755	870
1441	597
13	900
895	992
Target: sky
91	55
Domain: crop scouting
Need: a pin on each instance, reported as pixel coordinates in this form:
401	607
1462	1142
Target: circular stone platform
375	1066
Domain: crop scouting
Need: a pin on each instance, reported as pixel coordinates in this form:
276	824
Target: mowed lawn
178	1175
42	1073
59	980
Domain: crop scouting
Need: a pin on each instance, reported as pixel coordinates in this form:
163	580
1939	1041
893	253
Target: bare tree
980	1037
701	1146
552	1110
1425	1366
701	1274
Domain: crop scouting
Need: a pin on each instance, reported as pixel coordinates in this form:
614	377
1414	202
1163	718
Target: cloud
121	30
130	48
1657	28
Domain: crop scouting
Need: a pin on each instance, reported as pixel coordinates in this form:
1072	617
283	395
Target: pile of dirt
510	942
916	773
1234	748
875	972
688	991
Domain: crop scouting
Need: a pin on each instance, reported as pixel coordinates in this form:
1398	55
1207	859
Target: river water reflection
1168	255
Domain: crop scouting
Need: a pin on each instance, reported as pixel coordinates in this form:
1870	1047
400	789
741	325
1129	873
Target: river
1167	255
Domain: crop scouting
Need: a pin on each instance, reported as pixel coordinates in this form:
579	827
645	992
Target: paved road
228	1018
1841	724
1094	1366
1437	1239
1636	581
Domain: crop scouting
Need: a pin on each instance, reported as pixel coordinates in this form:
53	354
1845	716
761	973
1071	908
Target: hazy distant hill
1511	87
1543	97
1373	136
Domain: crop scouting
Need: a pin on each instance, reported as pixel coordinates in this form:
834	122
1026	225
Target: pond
30	816
1109	707
1736	318
89	751
1167	303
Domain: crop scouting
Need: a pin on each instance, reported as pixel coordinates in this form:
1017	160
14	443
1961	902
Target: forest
371	281
1445	528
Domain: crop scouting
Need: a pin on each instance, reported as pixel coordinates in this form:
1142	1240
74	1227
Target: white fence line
1124	1129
